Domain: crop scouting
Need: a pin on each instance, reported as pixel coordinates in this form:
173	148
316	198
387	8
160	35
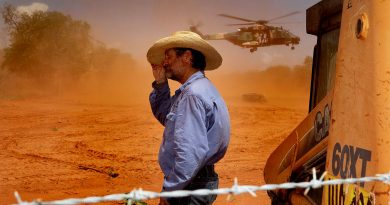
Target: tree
44	44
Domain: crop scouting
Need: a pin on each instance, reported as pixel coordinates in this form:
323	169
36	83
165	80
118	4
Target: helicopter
257	34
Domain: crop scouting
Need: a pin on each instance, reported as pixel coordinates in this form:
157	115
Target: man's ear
187	56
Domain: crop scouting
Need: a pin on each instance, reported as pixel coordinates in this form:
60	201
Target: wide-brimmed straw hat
184	39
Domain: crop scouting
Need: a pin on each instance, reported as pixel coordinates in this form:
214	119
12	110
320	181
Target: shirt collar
192	78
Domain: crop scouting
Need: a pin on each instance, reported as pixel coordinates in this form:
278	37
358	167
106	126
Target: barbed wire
139	194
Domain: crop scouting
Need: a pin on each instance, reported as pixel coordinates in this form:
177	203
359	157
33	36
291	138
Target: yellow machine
347	130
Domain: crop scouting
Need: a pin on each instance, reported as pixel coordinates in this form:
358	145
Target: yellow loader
347	130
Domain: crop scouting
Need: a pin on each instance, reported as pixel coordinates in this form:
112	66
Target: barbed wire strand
139	194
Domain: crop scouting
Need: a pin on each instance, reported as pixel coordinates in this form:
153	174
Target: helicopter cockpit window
246	36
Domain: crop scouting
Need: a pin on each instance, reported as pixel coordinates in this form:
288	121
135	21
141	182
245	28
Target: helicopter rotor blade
240	24
289	14
281	23
237	18
251	22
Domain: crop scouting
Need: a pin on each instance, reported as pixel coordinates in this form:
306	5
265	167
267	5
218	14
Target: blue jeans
206	179
197	200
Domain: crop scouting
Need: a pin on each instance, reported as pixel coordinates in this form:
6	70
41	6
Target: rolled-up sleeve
190	142
160	101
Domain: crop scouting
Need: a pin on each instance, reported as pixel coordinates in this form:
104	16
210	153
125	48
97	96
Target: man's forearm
160	100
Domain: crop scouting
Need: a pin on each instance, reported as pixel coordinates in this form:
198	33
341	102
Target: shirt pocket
169	127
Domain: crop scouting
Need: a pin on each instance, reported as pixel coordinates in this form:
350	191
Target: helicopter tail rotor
196	30
194	27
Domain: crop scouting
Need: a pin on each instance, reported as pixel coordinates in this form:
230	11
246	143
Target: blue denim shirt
197	128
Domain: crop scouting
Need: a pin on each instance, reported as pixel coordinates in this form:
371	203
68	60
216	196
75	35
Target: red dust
73	140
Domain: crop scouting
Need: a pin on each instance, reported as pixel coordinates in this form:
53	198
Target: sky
134	25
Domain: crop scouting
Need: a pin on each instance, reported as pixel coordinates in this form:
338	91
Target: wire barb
18	199
386	178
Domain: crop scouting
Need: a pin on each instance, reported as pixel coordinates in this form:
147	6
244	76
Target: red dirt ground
57	148
72	146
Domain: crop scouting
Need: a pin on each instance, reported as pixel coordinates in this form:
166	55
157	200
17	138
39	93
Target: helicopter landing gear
253	50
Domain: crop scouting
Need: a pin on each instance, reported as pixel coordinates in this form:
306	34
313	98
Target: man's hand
159	73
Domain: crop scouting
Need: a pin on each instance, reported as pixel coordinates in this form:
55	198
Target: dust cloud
122	85
120	81
280	85
126	81
82	129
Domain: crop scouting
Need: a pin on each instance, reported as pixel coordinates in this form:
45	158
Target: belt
207	171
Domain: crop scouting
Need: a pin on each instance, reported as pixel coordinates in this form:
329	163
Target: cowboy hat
184	39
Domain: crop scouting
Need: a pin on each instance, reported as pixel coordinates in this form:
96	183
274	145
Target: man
196	119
